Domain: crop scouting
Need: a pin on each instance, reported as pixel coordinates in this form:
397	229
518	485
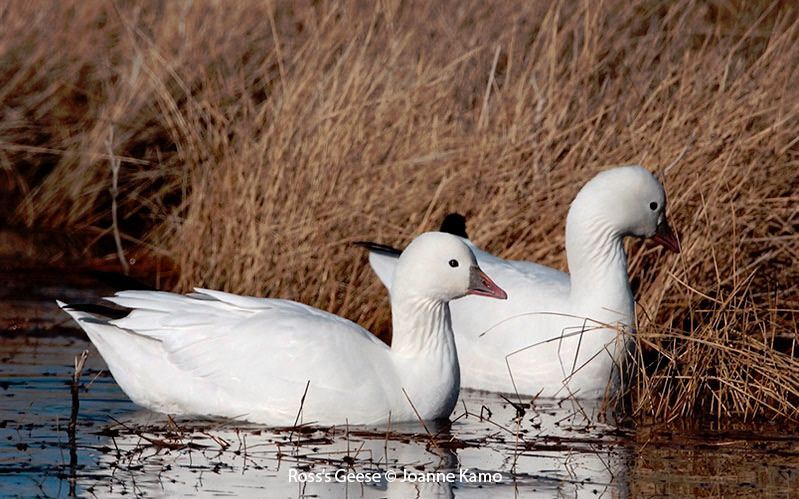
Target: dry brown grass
257	142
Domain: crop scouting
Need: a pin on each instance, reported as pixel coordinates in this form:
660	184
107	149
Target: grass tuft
256	141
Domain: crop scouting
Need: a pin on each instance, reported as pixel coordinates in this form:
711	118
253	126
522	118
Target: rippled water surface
551	450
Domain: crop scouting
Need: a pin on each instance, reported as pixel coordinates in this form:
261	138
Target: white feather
216	353
551	337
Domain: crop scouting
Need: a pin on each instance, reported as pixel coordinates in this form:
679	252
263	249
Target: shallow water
552	450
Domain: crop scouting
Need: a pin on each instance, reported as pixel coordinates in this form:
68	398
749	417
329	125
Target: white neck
423	349
598	266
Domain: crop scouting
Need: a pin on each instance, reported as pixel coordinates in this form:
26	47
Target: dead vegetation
255	141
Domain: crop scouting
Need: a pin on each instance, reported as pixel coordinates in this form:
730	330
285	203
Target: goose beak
666	237
482	285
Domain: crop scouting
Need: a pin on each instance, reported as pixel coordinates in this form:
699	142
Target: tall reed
257	140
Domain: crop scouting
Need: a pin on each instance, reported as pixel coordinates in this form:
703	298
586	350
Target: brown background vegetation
258	140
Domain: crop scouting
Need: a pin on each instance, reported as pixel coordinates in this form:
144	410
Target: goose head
441	267
631	202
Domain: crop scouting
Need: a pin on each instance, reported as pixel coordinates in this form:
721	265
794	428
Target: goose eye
453	263
653	206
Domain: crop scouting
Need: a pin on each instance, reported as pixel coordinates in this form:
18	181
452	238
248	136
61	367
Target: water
552	450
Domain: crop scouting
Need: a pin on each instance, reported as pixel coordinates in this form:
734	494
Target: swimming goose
560	332
213	353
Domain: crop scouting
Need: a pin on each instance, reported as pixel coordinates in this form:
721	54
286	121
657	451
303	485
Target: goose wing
258	349
524	281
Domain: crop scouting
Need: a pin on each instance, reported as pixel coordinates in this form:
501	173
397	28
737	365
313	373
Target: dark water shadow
553	449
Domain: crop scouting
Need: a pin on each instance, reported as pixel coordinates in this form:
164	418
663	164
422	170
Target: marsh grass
256	141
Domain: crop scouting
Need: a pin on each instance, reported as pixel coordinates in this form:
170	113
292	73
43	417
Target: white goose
558	331
220	354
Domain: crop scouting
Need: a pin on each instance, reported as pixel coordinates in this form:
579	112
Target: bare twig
74	388
115	164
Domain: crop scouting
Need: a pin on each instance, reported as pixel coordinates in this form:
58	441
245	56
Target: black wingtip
381	249
119	281
111	313
455	224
